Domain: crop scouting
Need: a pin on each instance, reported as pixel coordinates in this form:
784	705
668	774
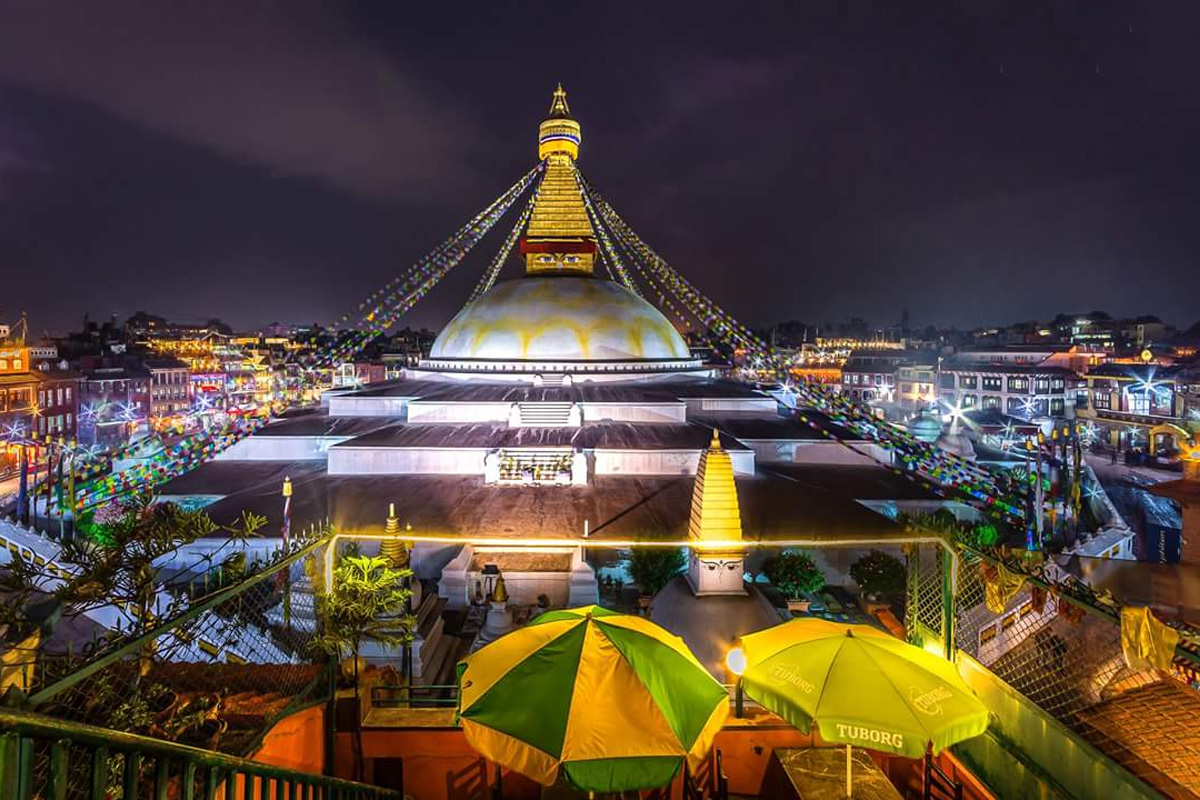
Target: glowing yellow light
735	661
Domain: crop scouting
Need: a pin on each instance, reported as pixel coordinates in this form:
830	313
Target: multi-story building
1146	406
114	403
870	375
57	402
916	386
41	401
892	381
1116	334
18	397
1026	391
170	389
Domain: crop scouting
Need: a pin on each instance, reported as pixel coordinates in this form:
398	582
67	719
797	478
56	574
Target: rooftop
795	503
663	390
603	435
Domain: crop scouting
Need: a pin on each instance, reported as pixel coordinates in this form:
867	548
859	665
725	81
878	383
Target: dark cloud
287	86
975	163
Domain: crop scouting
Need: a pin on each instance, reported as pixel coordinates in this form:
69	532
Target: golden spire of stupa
559	237
715	514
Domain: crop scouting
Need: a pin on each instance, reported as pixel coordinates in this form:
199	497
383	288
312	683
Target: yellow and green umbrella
862	686
610	702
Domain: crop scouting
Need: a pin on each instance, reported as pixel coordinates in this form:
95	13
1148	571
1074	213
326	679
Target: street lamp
735	662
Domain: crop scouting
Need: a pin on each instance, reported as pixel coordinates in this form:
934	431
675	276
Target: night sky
982	163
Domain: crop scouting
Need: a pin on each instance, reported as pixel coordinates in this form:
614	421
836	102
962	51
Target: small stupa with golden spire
717	561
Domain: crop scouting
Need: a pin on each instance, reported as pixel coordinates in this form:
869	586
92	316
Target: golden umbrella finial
558	103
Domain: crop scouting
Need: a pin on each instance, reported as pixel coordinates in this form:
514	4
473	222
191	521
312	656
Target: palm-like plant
366	603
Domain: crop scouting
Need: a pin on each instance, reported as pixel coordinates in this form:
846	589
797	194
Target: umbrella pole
849	771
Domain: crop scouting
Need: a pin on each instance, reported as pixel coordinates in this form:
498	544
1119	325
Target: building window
991	401
1057	384
891	380
1102	398
969	401
1056	406
1041	385
1139	402
1015	406
1018	385
991	383
967	381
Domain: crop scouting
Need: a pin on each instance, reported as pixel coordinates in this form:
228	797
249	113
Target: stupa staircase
545	415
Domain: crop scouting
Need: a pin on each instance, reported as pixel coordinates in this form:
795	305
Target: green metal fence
90	763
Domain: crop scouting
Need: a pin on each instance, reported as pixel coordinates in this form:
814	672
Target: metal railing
937	784
128	766
438	695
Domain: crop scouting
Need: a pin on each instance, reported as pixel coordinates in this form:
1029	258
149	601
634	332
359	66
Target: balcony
1131	418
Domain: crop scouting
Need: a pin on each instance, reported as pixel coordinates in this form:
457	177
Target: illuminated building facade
1143	406
1020	390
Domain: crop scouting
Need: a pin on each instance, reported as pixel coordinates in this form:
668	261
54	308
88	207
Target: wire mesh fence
924	609
1044	634
1046	646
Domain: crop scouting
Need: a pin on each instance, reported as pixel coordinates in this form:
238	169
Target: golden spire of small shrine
500	591
715	515
394	548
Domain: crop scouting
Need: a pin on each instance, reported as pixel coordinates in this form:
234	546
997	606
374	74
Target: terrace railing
91	763
215	672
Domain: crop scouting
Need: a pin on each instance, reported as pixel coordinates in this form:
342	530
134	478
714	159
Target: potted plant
881	578
652	568
796	575
366	602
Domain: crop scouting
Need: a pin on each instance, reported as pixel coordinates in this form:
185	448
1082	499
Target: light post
735	662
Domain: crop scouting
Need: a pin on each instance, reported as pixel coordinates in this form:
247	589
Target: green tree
652	568
115	566
367	603
980	535
879	574
794	573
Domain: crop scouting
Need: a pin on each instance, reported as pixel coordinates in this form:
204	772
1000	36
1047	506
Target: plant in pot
366	603
796	575
880	576
652	568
